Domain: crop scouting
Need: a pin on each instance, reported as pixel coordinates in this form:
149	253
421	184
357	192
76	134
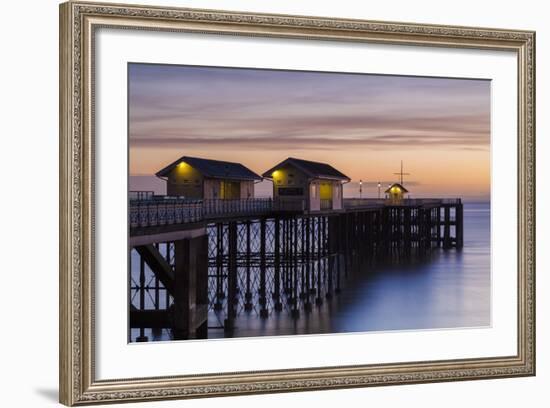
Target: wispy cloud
304	143
190	106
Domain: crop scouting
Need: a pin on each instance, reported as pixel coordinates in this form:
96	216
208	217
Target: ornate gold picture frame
78	24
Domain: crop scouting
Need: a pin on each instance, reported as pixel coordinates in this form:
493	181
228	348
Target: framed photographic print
261	203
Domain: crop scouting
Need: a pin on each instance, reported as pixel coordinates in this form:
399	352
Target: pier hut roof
311	169
397	185
213	169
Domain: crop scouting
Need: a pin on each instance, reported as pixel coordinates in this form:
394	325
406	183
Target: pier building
307	185
197	178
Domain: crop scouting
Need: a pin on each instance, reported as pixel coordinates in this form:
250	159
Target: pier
227	257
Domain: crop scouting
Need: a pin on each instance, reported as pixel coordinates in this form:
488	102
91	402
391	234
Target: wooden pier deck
227	257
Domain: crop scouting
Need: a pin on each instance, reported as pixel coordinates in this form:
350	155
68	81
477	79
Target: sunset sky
361	124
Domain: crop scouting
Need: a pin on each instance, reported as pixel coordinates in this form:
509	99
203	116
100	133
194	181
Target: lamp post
360	189
379	185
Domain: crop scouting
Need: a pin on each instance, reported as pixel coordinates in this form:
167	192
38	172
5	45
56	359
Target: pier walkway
147	211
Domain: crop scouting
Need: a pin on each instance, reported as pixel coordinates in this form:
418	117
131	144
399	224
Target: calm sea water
451	289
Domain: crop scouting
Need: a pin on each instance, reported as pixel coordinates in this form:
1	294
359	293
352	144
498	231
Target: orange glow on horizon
456	172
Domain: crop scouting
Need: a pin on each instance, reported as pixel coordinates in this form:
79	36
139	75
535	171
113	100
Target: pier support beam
294	299
308	264
248	293
220	295
407	232
190	300
229	323
158	264
277	265
459	226
332	254
439	226
447	228
319	231
262	300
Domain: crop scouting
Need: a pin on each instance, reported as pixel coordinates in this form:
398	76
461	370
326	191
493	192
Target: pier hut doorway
230	190
325	192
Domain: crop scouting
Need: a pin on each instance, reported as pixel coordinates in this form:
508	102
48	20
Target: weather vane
401	174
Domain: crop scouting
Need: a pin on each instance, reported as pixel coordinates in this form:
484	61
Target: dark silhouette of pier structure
225	258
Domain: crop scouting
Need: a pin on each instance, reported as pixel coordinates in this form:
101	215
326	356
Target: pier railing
141	195
363	202
289	204
216	208
430	201
168	211
351	203
154	211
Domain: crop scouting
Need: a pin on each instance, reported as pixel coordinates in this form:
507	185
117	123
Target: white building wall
247	190
314	196
211	189
337	202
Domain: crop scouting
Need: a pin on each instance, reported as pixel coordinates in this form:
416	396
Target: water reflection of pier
200	264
